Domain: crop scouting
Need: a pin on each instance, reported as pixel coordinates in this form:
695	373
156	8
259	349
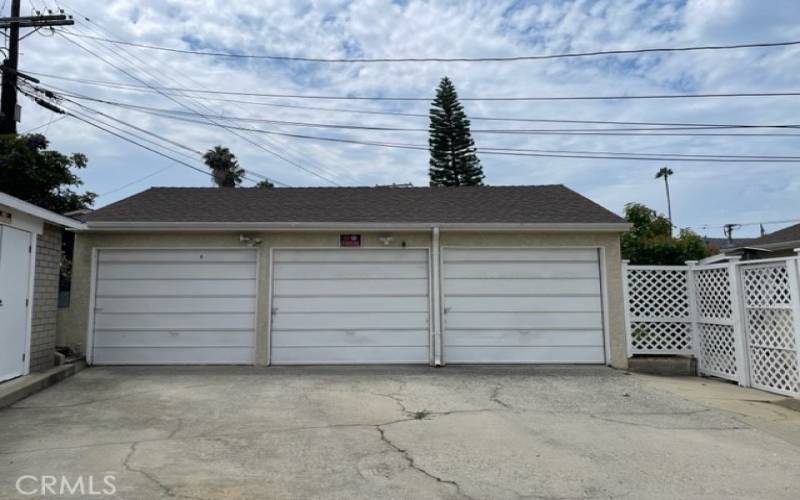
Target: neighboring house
525	274
781	243
724	244
30	259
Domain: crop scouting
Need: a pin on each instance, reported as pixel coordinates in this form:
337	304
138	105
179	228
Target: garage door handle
525	332
350	332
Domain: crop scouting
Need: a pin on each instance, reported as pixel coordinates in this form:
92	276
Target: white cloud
703	192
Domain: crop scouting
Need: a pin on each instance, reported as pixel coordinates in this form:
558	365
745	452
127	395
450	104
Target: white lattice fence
715	323
740	319
771	314
658	319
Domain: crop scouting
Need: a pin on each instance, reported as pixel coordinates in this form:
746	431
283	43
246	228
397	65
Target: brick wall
45	298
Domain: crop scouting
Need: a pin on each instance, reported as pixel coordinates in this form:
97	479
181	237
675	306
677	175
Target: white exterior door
522	305
15	265
175	307
350	306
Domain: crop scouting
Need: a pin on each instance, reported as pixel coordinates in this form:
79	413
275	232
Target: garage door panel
174	355
334	338
346	306
348	355
348	321
175	338
351	256
167	288
194	321
527	287
175	256
176	304
523	304
352	303
184	271
521	270
522	321
525	355
284	287
351	270
525	338
521	255
168	306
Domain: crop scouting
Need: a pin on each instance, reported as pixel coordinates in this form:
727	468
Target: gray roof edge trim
323	226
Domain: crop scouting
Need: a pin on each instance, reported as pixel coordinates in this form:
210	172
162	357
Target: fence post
793	270
691	292
739	324
627	309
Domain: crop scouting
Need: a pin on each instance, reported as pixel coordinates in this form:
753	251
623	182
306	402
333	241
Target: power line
441	59
709	226
411	129
274	148
403	114
127	73
510	152
428	99
143	109
667	131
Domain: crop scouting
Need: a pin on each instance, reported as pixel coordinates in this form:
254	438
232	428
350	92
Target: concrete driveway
366	433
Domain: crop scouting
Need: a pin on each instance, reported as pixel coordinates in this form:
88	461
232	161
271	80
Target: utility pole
9	114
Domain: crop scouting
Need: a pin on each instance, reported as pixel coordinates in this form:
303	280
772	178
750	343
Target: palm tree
665	172
224	166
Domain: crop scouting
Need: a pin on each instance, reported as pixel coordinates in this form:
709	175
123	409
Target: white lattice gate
771	320
741	320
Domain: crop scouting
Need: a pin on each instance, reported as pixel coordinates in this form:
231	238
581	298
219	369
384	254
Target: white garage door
350	306
522	306
175	307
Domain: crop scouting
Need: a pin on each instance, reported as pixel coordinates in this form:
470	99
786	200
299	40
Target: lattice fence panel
717	354
770	321
658	310
715	335
713	293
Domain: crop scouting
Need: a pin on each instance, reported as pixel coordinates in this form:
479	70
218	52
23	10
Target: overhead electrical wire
668	131
403	114
524	152
661	126
510	152
165	89
278	150
439	59
134	77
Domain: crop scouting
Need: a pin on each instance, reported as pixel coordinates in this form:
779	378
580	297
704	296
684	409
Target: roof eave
39	212
613	227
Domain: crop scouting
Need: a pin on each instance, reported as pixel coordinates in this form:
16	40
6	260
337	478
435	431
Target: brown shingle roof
475	204
785	235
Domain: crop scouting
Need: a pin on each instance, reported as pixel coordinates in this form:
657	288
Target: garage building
384	275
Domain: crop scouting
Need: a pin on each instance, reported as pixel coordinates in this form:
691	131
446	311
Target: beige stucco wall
74	331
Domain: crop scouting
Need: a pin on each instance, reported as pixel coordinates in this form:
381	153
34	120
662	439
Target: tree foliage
454	160
224	166
265	184
650	241
31	172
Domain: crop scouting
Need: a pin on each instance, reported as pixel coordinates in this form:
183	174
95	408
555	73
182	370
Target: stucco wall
76	316
45	298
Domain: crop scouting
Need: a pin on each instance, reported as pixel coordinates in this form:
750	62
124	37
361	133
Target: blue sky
703	193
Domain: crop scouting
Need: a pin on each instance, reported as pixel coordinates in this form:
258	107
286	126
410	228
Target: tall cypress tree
454	161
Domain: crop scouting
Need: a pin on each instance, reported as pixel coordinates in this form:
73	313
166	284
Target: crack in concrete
167	490
667	427
413	465
495	397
